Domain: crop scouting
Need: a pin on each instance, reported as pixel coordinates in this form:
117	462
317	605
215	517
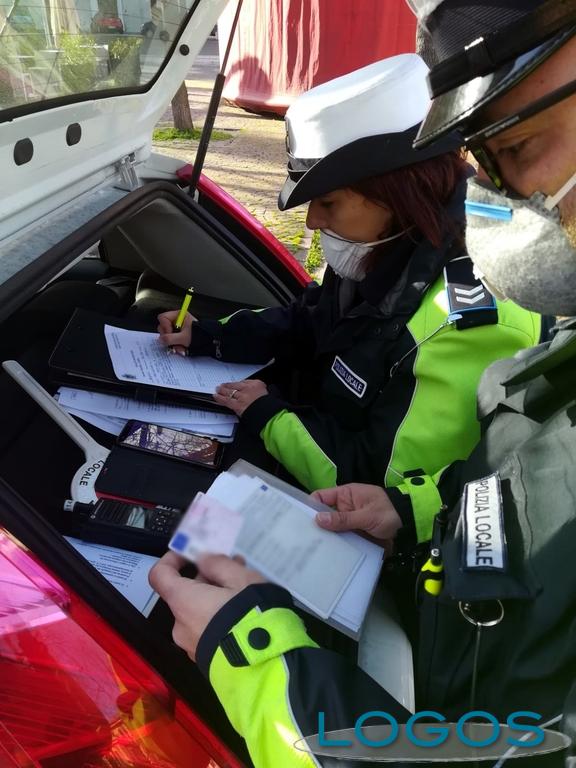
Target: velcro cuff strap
257	415
203	334
426	502
263	635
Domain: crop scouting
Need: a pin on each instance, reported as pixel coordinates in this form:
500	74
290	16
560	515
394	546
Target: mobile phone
118	524
172	443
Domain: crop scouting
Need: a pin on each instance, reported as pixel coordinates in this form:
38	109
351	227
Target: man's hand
359	507
195	602
178	341
238	395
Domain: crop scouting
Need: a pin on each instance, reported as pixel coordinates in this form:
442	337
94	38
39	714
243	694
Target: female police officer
393	343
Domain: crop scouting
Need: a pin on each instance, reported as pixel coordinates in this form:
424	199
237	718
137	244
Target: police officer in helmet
505	79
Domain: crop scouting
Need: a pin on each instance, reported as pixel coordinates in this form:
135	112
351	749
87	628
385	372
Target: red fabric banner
284	47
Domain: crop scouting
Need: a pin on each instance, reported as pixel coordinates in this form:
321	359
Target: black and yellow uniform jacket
392	362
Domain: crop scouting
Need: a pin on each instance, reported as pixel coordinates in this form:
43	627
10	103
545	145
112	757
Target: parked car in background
90	218
106	22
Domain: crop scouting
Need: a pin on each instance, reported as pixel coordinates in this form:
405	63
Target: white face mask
520	249
346	257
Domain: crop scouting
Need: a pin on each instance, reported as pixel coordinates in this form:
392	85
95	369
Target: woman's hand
359	507
238	395
195	602
177	341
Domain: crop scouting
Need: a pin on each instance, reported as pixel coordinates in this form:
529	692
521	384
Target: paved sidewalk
251	166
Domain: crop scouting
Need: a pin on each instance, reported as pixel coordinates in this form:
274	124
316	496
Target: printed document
353	605
287	547
127	408
140	357
112	425
125	570
277	536
111	413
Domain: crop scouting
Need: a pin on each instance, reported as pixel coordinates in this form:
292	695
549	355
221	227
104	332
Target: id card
206	527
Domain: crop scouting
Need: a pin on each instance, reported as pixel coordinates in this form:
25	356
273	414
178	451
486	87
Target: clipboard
81	360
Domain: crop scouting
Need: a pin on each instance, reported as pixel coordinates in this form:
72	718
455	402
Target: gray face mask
520	249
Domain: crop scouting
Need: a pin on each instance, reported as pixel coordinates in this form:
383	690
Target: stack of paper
111	412
272	526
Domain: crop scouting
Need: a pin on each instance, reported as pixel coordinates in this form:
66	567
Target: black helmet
481	49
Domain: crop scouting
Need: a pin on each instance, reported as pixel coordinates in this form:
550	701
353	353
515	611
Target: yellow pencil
183	309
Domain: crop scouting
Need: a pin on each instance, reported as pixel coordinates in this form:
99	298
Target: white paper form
140	357
125	570
281	540
112	412
114	426
126	408
106	423
350	610
232	491
353	604
285	545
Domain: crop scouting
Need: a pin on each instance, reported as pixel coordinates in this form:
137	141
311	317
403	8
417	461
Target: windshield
60	48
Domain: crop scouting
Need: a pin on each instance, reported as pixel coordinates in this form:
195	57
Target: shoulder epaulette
470	302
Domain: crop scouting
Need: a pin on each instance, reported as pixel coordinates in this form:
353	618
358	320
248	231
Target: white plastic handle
52	408
82	486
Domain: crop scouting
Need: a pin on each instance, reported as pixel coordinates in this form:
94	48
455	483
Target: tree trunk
181	110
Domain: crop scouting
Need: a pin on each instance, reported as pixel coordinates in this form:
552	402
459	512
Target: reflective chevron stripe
469	301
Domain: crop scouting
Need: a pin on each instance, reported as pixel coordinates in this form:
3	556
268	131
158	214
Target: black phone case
145	478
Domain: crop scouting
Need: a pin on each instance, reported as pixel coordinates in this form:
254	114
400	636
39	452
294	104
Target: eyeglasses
475	142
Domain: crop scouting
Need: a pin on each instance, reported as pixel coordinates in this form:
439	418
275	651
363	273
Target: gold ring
233	393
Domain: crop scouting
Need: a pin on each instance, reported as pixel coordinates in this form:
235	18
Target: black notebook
81	359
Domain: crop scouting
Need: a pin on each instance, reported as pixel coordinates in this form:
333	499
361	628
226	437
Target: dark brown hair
417	194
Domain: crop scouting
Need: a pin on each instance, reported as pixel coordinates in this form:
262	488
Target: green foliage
124	56
314	259
77	62
7	98
19	43
22	33
173	134
292	242
27	44
121	47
